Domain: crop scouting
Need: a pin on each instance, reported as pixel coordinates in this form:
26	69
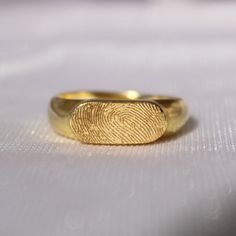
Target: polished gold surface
116	118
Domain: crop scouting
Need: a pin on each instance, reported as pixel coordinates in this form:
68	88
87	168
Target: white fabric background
185	185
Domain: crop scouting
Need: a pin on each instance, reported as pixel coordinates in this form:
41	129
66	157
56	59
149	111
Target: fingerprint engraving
107	122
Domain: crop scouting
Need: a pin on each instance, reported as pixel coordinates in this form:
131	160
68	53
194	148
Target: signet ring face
118	122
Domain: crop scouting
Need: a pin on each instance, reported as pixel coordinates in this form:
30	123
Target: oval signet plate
118	122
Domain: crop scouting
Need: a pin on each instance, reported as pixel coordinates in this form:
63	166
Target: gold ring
123	118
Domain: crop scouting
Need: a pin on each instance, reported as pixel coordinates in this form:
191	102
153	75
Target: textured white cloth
185	185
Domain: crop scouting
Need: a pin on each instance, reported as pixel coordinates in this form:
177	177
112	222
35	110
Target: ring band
116	118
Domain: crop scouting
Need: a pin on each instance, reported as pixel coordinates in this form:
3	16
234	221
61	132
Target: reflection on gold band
116	118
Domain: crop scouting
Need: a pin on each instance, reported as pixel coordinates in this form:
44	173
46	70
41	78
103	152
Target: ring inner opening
84	95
